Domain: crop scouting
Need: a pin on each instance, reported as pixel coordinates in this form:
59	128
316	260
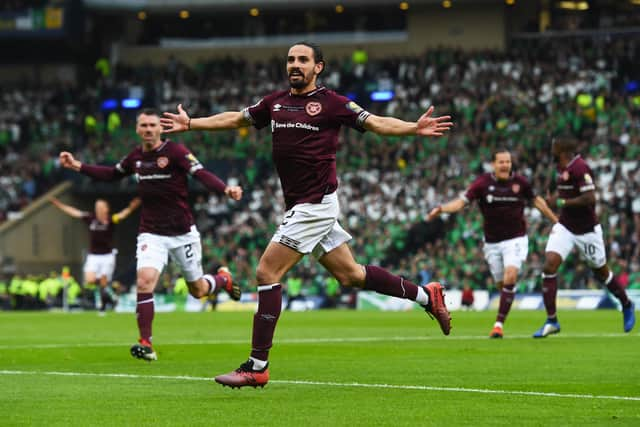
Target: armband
561	202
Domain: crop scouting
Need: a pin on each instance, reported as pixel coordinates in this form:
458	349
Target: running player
305	121
101	259
166	227
578	227
501	197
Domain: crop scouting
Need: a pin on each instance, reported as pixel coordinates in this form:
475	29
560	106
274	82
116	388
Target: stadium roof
238	4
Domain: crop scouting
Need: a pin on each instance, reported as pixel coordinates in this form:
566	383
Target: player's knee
264	276
145	283
353	277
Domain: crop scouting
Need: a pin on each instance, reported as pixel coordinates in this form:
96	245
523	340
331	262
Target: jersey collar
308	94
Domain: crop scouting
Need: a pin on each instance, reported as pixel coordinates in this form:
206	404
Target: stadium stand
518	98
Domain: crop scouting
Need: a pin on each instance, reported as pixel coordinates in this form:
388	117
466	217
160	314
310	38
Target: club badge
162	162
313	108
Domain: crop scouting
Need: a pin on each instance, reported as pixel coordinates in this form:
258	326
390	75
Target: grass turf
359	369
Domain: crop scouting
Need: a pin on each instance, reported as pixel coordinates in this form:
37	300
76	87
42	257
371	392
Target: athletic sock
144	314
549	291
265	320
507	295
258	364
380	280
617	290
216	282
104	299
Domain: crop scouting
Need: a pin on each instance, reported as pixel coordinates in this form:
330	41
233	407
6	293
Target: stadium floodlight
131	103
382	95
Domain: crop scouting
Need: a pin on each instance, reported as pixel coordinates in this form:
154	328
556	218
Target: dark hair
317	52
497	151
148	112
565	144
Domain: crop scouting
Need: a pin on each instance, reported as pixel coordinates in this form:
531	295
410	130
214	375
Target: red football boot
496	332
437	307
245	376
233	290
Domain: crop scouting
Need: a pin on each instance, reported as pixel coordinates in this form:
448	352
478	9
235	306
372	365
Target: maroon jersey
572	181
162	185
501	204
100	234
305	131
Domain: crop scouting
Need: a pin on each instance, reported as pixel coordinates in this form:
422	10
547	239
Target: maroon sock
144	314
506	299
549	291
220	282
617	290
104	299
264	321
380	280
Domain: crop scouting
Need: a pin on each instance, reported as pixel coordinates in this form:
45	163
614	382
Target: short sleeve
584	179
527	189
474	191
348	113
259	114
126	165
186	160
87	217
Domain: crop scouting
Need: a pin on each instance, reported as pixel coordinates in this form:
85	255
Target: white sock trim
609	278
258	364
422	297
212	281
549	276
145	301
262	288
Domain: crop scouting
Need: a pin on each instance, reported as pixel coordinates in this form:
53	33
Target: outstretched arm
542	206
425	126
181	122
133	205
213	183
69	210
101	173
450	207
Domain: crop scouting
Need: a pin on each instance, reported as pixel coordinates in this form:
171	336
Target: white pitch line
310	340
335	384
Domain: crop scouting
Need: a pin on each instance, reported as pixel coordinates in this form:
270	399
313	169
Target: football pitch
328	368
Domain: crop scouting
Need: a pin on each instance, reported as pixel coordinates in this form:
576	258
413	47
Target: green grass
333	350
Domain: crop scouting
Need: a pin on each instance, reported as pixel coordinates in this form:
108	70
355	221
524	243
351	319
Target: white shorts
312	227
185	250
507	253
590	245
101	264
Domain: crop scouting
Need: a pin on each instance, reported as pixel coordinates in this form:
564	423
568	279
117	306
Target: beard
298	84
301	82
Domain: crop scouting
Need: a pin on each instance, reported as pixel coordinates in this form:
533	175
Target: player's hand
234	192
172	123
68	161
433	126
435	212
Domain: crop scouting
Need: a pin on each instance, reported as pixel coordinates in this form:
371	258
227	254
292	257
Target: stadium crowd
517	99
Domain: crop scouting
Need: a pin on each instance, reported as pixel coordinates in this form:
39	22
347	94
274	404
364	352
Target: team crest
313	108
515	188
565	176
162	162
143	247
